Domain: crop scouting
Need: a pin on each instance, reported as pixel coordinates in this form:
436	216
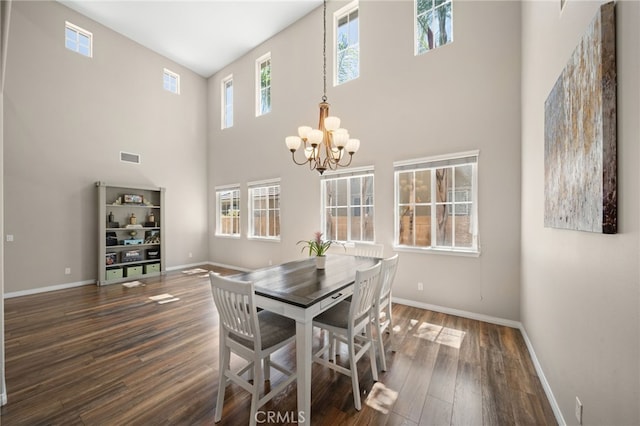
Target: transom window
347	44
434	24
171	81
227	102
228	211
78	39
347	206
264	210
436	203
263	85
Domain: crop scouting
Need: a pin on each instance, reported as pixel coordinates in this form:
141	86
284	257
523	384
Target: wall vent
128	157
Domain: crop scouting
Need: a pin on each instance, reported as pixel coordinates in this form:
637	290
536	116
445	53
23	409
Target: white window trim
82	31
218	189
223	102
259	62
174	75
419	162
345	10
250	187
349	173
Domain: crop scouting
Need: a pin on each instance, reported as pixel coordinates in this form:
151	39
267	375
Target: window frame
345	11
253	187
351	174
220	190
167	73
432	164
78	31
226	107
416	41
259	89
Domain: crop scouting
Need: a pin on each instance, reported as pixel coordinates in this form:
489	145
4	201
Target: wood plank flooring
110	356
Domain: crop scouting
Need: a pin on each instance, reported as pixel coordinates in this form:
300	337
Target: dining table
301	291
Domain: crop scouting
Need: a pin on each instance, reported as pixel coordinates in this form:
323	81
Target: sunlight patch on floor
381	398
439	334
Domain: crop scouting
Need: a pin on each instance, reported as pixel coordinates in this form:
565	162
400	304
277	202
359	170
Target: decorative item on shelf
112	239
152	237
325	146
318	247
111	258
111	218
132	219
132	199
131	256
151	217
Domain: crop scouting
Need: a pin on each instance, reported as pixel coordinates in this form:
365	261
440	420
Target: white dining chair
251	335
347	322
381	311
368	250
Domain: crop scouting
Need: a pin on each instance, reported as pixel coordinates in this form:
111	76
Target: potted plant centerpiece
318	247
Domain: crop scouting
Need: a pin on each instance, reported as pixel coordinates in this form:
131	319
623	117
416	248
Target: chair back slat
235	304
387	275
364	291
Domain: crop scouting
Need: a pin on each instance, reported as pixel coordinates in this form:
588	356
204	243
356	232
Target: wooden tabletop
299	282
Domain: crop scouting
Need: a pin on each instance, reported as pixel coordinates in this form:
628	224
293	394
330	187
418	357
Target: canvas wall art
580	134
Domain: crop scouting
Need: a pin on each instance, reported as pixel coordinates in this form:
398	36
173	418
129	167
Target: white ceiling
204	35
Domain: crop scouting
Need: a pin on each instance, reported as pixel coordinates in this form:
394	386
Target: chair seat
274	329
337	316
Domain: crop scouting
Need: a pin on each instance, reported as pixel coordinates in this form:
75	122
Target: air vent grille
128	157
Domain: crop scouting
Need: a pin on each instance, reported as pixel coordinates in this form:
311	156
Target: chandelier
324	147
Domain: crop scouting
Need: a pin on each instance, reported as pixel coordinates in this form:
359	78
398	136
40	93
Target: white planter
320	261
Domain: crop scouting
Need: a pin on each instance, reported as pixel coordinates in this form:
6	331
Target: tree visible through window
227	102
436	205
347	206
347	44
434	24
263	71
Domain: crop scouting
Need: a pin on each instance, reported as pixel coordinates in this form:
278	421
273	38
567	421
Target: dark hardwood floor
111	356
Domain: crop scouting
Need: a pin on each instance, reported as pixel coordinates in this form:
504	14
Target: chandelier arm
293	157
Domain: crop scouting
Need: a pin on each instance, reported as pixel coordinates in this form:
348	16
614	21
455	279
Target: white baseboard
3	398
543	379
221	265
499	321
46	289
459	313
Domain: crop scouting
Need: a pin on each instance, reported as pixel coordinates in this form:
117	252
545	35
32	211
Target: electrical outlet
420	287
9	238
67	271
578	410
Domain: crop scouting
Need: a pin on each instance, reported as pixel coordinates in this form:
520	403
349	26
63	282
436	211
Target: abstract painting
580	134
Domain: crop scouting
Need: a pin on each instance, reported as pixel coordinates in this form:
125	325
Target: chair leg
332	347
372	352
354	374
267	368
380	346
224	359
257	385
390	328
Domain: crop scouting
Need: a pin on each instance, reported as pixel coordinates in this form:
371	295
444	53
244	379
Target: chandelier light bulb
315	137
353	145
293	142
303	131
331	123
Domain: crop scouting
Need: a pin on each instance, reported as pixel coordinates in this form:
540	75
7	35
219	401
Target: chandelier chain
324	53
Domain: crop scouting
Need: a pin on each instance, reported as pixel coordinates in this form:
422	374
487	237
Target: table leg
304	361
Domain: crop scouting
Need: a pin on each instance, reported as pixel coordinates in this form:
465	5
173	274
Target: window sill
440	251
266	239
234	237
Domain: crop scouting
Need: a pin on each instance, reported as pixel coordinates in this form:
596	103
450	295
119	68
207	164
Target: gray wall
66	119
461	97
580	290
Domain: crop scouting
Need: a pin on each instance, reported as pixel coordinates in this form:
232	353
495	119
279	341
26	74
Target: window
263	85
171	81
228	211
347	44
227	102
436	203
347	206
434	24
264	209
77	39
